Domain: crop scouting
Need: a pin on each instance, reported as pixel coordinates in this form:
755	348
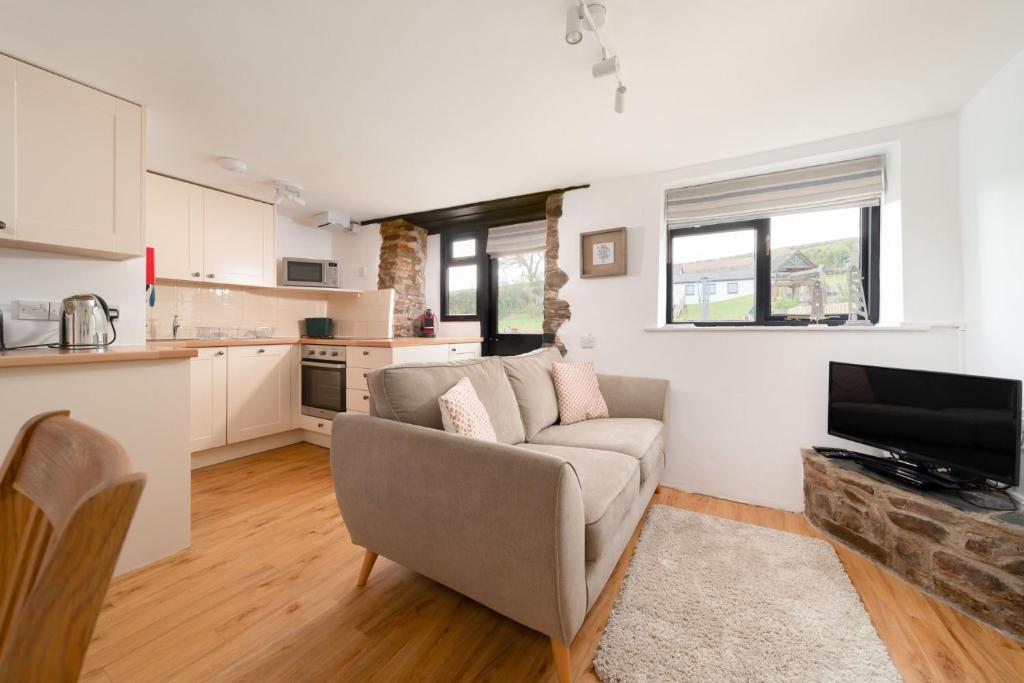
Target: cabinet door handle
319	424
364	375
210	275
366	353
219	353
261	350
366	397
197	274
3	226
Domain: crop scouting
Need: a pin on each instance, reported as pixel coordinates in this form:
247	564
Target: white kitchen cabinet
209	399
201	234
464	351
259	381
8	165
71	174
238	240
174	227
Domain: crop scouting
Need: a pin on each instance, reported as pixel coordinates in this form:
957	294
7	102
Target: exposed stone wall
403	257
973	560
556	311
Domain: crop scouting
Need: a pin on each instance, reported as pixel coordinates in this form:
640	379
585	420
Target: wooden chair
67	496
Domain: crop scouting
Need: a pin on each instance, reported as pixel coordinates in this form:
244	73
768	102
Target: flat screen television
968	424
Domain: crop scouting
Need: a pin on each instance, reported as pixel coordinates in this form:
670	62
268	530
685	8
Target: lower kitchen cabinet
259	380
209	392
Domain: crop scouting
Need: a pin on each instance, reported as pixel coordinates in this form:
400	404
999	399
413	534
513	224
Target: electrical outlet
115	312
362	271
55	310
587	341
33	310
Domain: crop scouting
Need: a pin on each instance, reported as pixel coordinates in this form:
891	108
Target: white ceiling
386	107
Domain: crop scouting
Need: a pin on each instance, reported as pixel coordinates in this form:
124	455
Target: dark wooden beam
493	212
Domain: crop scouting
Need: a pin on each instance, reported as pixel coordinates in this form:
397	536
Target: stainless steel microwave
304	272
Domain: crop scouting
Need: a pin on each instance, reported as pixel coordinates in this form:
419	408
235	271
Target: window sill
683	327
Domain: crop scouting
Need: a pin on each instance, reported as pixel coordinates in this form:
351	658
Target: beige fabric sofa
532	526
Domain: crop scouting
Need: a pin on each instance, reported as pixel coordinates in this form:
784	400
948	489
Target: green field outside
737	308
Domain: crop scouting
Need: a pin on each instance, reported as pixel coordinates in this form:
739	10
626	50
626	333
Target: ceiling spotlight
597	14
609	66
286	191
573	25
620	99
233	165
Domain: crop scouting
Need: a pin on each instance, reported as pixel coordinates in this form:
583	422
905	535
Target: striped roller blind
858	182
517	239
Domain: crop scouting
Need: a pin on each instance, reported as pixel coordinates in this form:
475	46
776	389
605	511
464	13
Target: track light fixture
286	191
592	17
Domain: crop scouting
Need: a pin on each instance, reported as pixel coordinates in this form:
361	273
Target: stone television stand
971	558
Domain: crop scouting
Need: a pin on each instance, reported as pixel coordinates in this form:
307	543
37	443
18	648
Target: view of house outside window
815	260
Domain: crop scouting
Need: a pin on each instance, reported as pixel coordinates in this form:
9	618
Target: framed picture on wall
603	253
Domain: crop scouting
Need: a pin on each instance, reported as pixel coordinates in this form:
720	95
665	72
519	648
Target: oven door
323	389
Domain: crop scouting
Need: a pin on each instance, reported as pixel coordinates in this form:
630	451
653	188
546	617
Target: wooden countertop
376	343
115	354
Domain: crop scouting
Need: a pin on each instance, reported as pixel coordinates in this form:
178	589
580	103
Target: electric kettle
85	323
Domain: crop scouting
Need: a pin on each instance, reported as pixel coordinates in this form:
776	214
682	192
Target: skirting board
212	456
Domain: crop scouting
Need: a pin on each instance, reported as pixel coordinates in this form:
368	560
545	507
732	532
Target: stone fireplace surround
971	559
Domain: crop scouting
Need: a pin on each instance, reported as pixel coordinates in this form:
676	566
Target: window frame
448	260
870	217
732	287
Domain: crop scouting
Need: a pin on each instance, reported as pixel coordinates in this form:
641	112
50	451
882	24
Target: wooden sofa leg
563	662
364	572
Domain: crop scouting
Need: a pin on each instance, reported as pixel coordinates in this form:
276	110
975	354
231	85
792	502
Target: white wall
42	276
992	191
298	240
744	402
358	256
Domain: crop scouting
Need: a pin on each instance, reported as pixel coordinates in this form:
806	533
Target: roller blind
517	239
858	182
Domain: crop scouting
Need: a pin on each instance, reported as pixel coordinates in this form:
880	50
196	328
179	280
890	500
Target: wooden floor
267	593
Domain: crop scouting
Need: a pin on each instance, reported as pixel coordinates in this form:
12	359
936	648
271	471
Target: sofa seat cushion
408	393
610	483
639	437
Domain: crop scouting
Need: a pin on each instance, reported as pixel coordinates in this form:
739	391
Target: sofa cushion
530	375
610	482
408	393
578	391
462	412
638	437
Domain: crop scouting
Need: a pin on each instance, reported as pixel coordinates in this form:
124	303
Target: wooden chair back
67	497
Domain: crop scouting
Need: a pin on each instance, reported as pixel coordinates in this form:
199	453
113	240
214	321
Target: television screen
969	424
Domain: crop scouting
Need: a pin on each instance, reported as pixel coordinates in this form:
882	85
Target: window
818	266
520	293
793	246
461	275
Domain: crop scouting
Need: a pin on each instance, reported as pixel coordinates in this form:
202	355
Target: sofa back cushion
530	375
408	393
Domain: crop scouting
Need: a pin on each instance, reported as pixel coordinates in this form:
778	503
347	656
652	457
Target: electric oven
323	380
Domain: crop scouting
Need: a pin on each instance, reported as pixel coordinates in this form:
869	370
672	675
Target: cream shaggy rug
708	600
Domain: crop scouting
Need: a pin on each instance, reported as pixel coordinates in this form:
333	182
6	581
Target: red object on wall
150	266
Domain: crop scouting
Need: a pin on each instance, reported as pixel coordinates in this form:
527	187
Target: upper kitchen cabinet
205	235
70	165
238	240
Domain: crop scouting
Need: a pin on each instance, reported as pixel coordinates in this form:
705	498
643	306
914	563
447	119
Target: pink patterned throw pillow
462	412
579	395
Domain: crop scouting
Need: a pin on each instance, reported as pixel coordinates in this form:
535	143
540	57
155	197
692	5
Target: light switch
55	307
33	310
587	341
